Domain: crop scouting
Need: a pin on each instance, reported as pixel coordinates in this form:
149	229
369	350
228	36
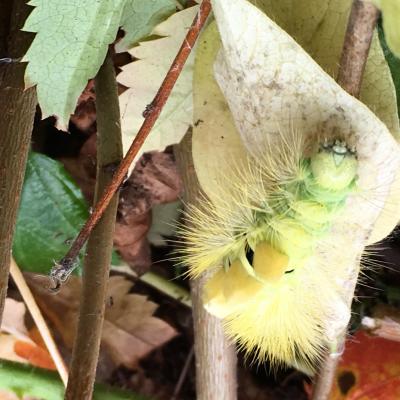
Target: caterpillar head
334	167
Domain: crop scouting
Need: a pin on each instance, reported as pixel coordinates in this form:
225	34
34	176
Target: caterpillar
260	234
297	174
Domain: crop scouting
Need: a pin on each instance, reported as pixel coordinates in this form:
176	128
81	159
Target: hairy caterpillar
260	233
285	222
297	175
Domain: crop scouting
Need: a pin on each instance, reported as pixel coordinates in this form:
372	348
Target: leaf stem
61	271
357	42
98	253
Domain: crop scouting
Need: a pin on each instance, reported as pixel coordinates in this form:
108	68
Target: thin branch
183	374
215	354
40	322
360	29
216	362
17	110
325	377
62	270
97	261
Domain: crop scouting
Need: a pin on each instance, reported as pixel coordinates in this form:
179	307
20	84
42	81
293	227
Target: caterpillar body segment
259	237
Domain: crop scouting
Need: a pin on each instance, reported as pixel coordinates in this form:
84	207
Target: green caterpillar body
302	210
299	211
259	237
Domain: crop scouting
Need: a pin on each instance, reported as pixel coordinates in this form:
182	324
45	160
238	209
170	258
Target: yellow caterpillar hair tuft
258	238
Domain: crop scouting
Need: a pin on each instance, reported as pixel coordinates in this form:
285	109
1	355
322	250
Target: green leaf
27	381
71	43
140	17
391	14
51	212
164	217
394	64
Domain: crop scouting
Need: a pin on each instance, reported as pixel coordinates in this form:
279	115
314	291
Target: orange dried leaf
369	370
34	354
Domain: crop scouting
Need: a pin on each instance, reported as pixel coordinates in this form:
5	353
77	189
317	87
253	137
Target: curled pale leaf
269	91
319	27
284	89
144	77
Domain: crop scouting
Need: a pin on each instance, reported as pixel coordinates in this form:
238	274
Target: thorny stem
98	252
62	270
360	29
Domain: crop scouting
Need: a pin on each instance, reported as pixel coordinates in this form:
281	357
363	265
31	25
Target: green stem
24	380
98	257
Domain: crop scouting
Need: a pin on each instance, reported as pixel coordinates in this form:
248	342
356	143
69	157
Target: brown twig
98	253
17	110
357	41
183	374
62	269
360	29
215	354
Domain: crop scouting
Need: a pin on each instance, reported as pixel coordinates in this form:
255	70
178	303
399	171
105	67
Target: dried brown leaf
155	180
84	116
13	319
16	343
130	330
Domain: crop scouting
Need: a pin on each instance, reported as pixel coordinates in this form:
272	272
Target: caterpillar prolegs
259	237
